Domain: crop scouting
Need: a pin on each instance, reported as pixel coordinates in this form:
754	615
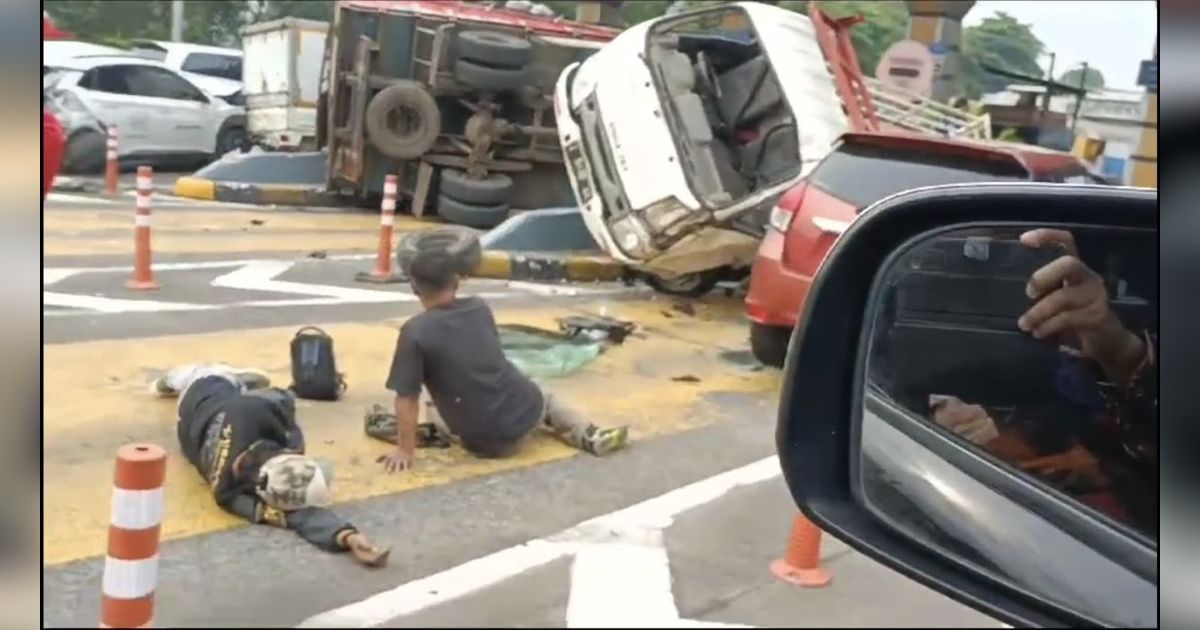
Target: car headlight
632	237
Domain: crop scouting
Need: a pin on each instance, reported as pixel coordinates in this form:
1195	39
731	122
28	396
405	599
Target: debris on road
687	308
257	222
686	378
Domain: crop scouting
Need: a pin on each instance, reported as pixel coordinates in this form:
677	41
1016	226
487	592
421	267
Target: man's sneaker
604	441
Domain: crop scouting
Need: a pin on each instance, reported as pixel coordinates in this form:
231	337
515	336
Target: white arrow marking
644	519
260	276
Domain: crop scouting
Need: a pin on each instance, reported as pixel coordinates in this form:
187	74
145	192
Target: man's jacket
227	435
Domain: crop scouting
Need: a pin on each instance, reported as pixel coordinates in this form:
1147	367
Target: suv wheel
690	285
769	344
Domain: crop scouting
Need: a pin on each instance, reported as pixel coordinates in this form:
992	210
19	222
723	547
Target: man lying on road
242	436
480	399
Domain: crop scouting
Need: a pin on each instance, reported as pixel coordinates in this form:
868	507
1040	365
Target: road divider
143	272
548	267
383	273
193	187
135	522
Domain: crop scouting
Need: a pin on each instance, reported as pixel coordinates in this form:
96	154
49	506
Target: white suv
160	115
216	70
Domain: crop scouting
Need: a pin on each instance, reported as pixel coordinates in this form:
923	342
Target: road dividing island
382	273
279	179
131	564
143	273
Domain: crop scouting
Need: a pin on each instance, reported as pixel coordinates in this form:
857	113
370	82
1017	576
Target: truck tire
690	285
488	78
769	344
85	153
461	242
493	48
492	190
471	215
403	121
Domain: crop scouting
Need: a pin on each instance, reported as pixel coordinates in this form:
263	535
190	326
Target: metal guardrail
914	112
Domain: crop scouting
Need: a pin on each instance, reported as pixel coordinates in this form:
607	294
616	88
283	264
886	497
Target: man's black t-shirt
454	350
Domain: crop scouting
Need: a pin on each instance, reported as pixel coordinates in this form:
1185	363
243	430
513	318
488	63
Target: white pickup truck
281	72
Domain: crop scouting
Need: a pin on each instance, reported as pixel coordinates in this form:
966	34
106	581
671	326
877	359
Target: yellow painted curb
196	188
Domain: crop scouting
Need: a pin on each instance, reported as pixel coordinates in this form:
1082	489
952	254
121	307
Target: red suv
862	169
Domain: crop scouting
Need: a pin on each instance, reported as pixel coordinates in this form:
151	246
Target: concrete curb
257	194
545	267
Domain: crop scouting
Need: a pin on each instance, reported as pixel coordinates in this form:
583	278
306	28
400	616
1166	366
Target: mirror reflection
1033	348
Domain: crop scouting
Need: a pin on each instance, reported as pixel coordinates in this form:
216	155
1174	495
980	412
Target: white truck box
281	71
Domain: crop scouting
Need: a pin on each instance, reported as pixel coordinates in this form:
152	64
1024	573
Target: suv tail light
830	226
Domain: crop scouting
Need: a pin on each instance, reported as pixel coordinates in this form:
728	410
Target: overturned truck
456	98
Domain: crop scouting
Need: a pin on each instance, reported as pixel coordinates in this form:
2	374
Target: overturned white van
681	133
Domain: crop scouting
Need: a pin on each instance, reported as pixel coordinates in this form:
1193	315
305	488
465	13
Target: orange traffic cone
801	563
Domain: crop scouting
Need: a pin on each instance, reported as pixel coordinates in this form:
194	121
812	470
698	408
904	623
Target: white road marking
114	305
642	521
50	276
623	584
260	276
80	199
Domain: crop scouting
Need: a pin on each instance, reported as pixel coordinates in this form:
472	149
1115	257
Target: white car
217	70
679	136
160	115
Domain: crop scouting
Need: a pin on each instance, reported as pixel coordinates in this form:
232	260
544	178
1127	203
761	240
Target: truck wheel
461	242
494	189
403	121
488	78
690	285
494	48
471	215
85	153
769	344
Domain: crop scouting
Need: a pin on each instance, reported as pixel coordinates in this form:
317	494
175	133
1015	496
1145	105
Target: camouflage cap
291	482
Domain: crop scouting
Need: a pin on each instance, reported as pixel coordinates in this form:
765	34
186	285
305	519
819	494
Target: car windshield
863	174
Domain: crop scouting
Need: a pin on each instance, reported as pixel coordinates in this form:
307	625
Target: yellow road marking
96	400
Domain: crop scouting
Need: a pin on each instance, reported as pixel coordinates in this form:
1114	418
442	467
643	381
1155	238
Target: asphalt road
696	407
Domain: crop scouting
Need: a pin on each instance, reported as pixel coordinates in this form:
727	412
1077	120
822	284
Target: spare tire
494	189
403	121
494	48
476	216
461	242
488	78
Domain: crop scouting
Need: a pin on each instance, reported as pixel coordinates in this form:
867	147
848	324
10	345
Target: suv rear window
863	174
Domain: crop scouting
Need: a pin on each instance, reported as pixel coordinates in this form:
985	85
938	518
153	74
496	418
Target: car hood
214	85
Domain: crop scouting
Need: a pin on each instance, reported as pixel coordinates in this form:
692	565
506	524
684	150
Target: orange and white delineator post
801	563
387	220
131	565
111	165
143	275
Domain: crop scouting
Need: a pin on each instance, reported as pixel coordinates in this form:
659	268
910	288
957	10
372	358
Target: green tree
1094	80
999	41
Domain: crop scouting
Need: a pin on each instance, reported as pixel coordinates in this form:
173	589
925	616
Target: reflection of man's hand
969	421
1070	300
1076	468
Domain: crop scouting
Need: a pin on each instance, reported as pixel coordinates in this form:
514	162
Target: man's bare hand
1071	303
395	461
365	553
969	421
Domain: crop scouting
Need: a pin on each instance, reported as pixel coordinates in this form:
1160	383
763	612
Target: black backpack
314	373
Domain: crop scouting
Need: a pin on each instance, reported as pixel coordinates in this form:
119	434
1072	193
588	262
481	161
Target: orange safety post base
801	563
143	273
382	273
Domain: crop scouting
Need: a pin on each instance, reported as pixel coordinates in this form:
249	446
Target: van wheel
493	189
690	285
769	344
462	243
85	153
494	48
488	78
471	215
403	121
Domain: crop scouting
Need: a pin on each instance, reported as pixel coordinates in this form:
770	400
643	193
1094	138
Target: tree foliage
999	41
1094	80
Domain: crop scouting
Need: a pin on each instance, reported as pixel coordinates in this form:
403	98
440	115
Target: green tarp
544	354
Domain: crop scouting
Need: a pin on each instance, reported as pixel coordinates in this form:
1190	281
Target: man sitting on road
480	399
242	436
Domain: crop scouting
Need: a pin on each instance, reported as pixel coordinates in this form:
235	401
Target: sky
1112	36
